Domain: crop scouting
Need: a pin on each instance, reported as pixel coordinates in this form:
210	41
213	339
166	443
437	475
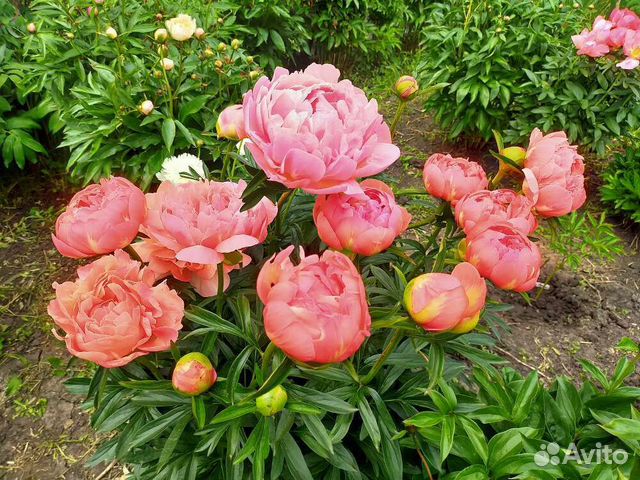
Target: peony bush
294	324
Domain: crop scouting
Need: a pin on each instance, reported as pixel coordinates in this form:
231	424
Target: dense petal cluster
363	223
100	219
113	313
452	178
554	174
315	311
192	227
310	130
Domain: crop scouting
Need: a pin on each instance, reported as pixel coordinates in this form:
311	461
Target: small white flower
181	28
160	35
172	167
167	64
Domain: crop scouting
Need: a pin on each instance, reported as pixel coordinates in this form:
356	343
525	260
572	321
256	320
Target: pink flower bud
98	2
92	11
406	87
193	374
230	124
146	107
452	178
441	302
31	28
200	33
505	256
272	402
167	64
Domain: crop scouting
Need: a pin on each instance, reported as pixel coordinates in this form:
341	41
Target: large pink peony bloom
113	313
441	302
554	174
310	131
192	227
452	178
315	311
625	18
505	256
631	50
592	43
495	206
365	223
100	219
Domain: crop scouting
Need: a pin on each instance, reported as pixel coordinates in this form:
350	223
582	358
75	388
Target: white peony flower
181	28
172	167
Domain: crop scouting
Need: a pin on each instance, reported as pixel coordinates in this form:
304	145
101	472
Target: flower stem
391	346
220	296
394	123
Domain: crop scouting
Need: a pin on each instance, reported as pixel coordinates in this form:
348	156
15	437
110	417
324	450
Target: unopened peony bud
576	5
200	33
159	17
92	11
222	47
406	87
160	35
194	77
199	143
230	124
70	35
235	44
167	64
157	74
498	30
272	402
163	50
218	63
99	2
515	154
193	374
592	6
209	53
31	28
253	74
220	21
146	107
111	33
249	60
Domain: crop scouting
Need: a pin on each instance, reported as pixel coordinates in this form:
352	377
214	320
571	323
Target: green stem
391	346
410	191
220	296
396	118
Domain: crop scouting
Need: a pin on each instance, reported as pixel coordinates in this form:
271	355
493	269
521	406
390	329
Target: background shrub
621	187
512	66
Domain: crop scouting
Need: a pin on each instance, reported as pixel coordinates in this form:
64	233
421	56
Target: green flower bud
272	402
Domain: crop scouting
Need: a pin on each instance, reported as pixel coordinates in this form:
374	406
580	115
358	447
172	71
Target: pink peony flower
441	302
495	206
452	178
315	311
310	131
505	256
554	179
100	219
192	227
592	43
113	313
631	50
365	223
625	18
230	123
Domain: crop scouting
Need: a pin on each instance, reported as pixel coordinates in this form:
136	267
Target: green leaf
474	472
446	436
526	395
213	322
436	364
277	40
318	432
172	440
476	437
233	412
253	442
168	132
193	106
198	408
153	429
326	401
504	445
369	422
295	460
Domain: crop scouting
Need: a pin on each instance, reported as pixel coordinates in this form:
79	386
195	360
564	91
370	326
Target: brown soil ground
45	434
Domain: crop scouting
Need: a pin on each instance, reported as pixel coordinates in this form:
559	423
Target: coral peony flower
625	18
495	206
100	219
181	28
192	227
310	131
315	311
452	178
174	167
505	256
113	313
193	374
592	44
554	179
230	123
365	223
441	302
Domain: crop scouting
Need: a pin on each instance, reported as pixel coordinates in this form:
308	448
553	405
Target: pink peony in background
310	130
113	313
315	311
365	224
554	174
100	219
192	227
452	178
